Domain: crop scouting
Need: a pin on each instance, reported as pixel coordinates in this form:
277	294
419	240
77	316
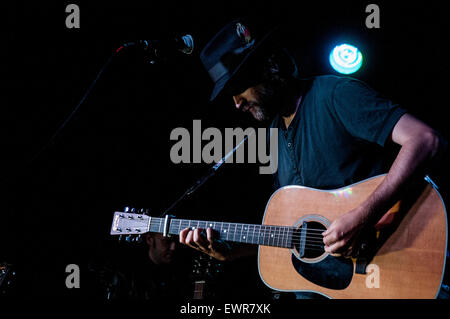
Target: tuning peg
138	239
126	209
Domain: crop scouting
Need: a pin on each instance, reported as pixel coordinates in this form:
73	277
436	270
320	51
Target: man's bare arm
419	145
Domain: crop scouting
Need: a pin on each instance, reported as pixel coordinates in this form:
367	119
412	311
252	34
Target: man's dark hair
270	66
279	65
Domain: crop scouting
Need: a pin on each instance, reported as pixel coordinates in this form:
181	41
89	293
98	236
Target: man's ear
280	64
149	240
272	65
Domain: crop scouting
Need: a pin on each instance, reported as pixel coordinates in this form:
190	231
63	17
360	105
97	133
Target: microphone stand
211	172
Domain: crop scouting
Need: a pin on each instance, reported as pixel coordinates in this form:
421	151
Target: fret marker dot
225	231
271	235
243	237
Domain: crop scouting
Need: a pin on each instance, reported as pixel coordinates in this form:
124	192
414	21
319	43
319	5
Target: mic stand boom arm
211	172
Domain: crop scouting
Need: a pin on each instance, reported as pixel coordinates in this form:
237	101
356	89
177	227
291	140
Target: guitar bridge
366	252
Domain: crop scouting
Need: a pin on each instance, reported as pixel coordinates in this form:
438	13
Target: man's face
161	249
259	100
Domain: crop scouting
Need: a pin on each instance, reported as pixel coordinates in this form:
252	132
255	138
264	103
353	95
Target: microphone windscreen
188	41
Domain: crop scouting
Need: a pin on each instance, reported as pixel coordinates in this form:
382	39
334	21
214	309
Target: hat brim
222	82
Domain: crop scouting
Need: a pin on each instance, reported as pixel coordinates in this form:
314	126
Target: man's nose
238	102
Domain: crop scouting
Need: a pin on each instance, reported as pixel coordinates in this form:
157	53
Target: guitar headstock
205	267
130	224
205	272
7	278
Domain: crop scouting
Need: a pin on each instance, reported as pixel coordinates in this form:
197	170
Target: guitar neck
267	235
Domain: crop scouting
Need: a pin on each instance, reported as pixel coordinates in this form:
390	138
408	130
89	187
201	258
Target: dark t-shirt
337	135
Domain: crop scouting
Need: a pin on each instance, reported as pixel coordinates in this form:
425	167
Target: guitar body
408	262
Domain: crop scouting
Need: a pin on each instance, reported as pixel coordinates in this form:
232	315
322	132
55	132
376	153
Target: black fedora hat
230	48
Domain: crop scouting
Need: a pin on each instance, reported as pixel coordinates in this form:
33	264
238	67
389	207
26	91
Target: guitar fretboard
267	235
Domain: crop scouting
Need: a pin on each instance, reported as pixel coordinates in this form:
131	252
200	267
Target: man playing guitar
331	132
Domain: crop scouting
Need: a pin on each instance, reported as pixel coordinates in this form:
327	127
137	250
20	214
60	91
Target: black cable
72	114
67	120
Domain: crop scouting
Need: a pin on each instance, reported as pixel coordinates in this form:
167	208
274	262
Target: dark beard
277	96
272	100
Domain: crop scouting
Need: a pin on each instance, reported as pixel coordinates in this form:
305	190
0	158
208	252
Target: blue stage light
346	58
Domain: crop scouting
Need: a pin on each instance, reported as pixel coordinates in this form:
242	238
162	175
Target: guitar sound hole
312	246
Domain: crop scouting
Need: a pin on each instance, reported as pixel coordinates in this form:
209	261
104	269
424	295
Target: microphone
183	44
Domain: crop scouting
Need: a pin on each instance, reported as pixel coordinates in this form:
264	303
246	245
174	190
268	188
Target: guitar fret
265	237
277	234
288	240
271	237
288	231
225	232
264	233
282	236
261	235
253	236
248	234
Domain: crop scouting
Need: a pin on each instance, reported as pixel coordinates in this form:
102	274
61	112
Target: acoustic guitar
403	256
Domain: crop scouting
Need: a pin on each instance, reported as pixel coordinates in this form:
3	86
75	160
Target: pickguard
331	272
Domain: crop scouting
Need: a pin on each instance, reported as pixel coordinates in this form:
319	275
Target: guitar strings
313	235
279	237
313	238
187	224
317	230
278	233
310	233
310	243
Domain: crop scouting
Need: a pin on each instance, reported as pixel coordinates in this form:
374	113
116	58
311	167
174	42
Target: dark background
57	208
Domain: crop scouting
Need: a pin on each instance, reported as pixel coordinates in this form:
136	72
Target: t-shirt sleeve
365	113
